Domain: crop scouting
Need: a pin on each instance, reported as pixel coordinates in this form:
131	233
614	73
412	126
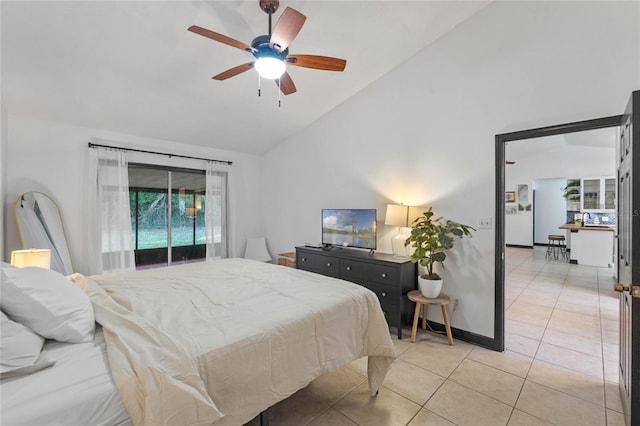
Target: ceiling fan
271	51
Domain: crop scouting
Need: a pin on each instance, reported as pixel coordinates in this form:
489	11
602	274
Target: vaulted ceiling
132	66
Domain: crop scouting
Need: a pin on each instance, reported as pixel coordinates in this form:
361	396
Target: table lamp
40	258
397	215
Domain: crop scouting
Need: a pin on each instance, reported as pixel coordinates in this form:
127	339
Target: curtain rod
94	145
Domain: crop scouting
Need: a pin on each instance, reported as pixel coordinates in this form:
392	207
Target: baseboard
467	336
518	246
547	245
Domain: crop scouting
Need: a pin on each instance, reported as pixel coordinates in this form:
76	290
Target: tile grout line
604	372
566	282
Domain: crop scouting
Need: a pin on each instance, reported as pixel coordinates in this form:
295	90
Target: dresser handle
384	294
384	275
329	264
304	259
348	268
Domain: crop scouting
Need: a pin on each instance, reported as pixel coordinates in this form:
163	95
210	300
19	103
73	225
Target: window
169	229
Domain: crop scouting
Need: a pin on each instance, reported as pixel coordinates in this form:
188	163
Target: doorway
564	316
501	142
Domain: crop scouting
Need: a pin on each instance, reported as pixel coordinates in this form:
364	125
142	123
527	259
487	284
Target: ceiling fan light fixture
270	68
272	50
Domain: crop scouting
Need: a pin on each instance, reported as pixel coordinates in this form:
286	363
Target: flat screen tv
349	228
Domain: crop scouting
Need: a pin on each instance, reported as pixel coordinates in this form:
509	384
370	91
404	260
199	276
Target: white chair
257	250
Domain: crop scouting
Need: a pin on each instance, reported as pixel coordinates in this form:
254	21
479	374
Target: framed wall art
510	197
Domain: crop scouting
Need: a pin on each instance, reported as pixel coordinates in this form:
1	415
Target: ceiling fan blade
220	38
287	28
317	62
231	72
286	84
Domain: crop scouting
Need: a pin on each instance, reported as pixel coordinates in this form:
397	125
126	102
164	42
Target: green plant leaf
431	238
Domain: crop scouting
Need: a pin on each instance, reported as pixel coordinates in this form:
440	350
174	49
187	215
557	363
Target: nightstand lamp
398	215
40	258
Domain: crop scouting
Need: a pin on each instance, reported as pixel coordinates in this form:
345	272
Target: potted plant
571	192
431	239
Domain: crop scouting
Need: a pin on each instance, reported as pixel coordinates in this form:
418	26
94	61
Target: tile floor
559	366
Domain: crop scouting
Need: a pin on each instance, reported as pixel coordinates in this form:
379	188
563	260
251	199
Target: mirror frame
65	259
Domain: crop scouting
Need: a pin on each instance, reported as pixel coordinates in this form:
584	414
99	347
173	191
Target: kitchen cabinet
598	194
591	245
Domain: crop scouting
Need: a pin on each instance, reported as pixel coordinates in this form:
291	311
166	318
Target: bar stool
556	246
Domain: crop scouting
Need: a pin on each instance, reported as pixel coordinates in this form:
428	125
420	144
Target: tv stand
389	278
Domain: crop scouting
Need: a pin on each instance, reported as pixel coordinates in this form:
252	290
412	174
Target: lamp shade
397	215
40	258
257	250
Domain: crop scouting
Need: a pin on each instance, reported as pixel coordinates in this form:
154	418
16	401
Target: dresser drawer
390	313
318	263
389	278
386	294
368	271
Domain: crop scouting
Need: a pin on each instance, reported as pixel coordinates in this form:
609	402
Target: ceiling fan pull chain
259	80
279	91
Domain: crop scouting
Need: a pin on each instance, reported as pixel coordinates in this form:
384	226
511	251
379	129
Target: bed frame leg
264	417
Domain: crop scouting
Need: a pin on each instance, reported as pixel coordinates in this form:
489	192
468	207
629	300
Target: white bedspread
222	341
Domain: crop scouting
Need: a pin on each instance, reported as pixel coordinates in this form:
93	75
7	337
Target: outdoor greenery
157	238
151	223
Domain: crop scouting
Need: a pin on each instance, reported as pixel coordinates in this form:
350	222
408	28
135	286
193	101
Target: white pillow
19	349
19	345
48	303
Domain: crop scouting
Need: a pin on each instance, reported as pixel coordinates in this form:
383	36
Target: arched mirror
40	227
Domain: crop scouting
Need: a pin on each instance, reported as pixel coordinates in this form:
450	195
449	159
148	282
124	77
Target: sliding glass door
168	215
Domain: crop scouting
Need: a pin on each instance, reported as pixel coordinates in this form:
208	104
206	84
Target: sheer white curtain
110	236
216	211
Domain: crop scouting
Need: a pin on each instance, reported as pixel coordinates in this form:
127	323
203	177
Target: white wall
50	158
560	162
550	208
425	133
4	137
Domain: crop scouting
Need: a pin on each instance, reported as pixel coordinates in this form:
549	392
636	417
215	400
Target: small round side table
422	303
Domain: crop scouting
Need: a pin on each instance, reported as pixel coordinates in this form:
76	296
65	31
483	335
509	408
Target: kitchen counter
573	227
593	248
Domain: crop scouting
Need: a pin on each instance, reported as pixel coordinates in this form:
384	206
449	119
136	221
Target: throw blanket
219	342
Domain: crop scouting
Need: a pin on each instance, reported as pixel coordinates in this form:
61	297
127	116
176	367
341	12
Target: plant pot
429	288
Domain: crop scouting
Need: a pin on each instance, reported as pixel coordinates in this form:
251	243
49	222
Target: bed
214	342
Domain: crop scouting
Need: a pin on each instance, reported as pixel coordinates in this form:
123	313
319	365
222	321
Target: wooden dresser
389	278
